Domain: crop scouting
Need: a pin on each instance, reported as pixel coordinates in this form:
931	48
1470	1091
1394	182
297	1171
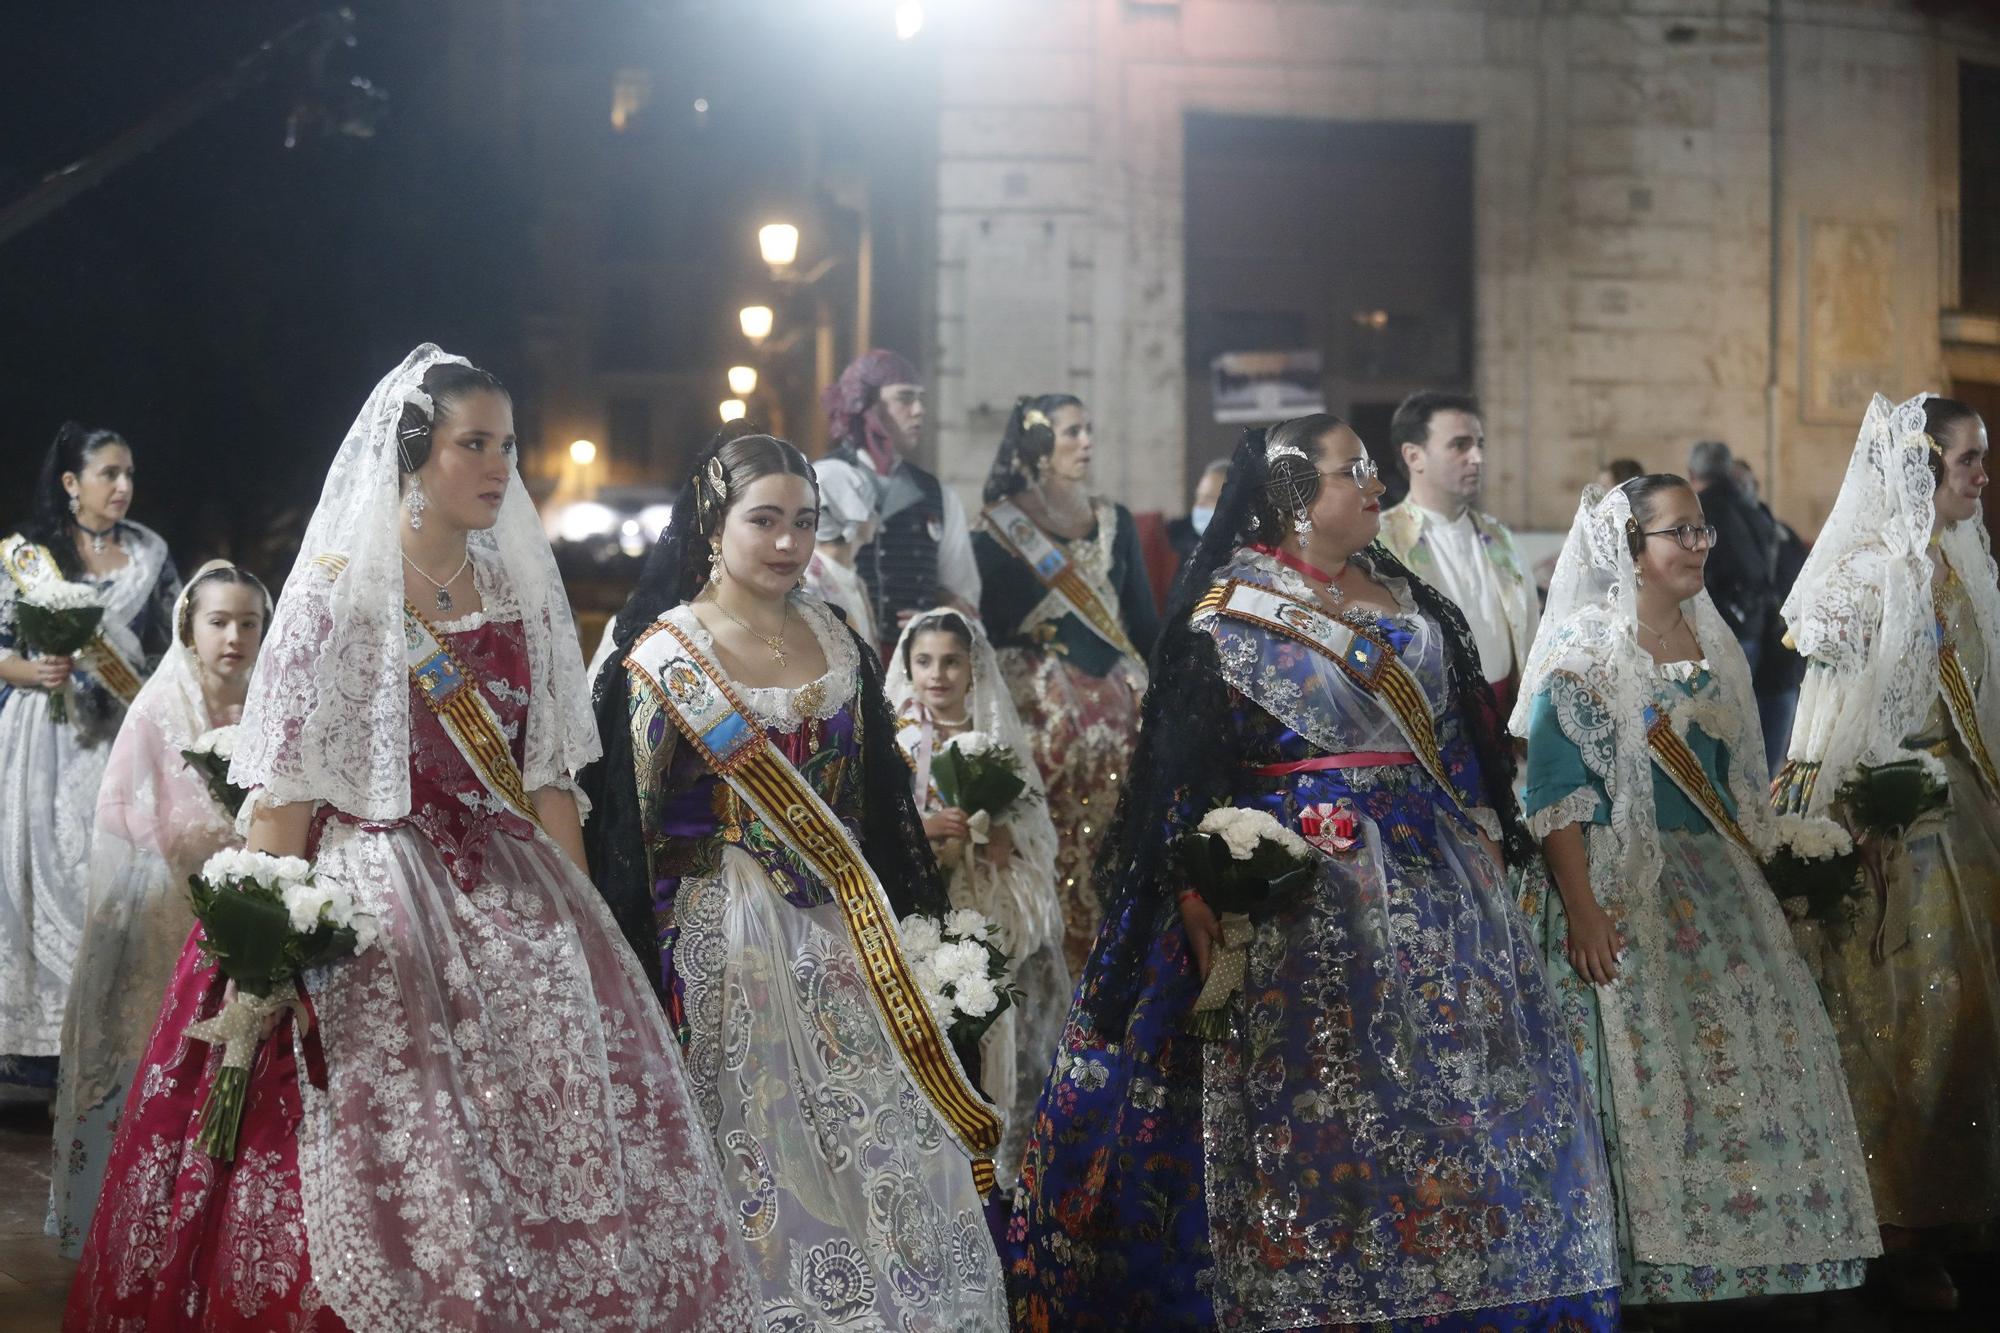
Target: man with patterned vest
921	554
1440	533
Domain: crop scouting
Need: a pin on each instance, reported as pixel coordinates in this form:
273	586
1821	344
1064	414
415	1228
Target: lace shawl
1590	635
328	714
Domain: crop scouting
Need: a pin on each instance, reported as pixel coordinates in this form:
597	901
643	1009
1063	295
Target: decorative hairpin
1032	418
1930	442
1300	491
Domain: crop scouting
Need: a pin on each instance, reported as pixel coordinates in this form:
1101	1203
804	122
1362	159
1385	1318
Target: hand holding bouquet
977	774
209	756
1814	869
960	970
1242	863
56	620
264	919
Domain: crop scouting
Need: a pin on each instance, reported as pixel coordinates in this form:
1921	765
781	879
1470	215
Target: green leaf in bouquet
1887	799
247	936
328	944
948	772
1259	885
1826	884
56	633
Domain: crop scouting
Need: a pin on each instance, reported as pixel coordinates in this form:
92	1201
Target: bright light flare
778	242
732	409
585	521
582	453
756	321
909	21
743	380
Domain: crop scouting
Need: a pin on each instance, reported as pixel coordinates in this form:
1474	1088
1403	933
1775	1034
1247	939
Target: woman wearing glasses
1064	595
1716	1073
1897	613
1373	1115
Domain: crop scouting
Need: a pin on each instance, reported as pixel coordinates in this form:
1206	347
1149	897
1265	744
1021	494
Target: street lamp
778	242
743	380
733	409
756	321
582	453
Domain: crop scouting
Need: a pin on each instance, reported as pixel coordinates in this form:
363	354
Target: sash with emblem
1956	689
1057	572
32	566
452	694
1680	764
1367	659
692	690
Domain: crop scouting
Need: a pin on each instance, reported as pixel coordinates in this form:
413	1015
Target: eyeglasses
1362	471
1690	537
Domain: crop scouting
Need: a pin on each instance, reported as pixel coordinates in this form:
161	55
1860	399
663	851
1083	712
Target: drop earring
416	502
1302	524
715	562
75	506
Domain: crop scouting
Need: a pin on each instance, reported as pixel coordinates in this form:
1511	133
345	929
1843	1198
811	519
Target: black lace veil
1184	764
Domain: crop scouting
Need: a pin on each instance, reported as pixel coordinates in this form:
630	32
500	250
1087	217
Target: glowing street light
743	380
756	321
582	453
909	21
778	242
733	409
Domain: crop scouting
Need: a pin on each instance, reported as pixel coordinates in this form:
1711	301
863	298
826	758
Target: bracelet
1186	894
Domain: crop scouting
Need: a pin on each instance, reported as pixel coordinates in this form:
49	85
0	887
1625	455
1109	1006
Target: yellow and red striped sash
32	566
452	695
691	690
1956	689
1679	763
1057	572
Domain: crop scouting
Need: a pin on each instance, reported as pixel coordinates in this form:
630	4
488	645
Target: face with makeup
102	491
1962	482
1347	512
225	629
471	460
941	671
767	534
1662	562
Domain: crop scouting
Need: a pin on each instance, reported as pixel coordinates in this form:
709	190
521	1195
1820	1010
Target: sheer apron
505	1139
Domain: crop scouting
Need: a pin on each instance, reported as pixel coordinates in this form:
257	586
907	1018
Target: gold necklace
1660	638
775	642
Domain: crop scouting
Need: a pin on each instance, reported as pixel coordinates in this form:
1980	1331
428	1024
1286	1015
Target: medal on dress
1330	826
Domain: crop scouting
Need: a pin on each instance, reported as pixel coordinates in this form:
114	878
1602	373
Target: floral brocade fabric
1394	1134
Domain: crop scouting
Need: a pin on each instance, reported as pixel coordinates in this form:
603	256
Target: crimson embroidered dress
182	1241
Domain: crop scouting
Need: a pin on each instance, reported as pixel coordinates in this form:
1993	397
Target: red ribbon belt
1358	759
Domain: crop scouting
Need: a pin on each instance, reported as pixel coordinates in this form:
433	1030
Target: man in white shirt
1440	533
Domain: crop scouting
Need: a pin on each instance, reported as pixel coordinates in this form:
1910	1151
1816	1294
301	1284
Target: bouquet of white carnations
264	919
209	756
1243	863
1813	868
56	620
977	774
962	973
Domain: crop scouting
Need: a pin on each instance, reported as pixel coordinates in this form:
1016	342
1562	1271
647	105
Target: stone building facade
1690	218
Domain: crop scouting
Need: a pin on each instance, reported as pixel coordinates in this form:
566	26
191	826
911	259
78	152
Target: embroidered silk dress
859	1210
1396	1134
581	1160
1737	1167
49	776
1911	976
1077	695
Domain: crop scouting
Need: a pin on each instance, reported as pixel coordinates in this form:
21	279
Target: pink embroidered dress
583	1168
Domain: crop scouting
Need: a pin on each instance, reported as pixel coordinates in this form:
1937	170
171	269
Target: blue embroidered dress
1396	1133
1738	1168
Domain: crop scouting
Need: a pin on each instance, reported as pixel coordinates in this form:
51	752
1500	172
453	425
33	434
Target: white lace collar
1289	581
784	706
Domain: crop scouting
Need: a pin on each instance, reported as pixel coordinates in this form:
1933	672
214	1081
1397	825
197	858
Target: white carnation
1812	838
220	742
367	928
1243	829
921	936
962	923
955	962
976	997
971	744
62	595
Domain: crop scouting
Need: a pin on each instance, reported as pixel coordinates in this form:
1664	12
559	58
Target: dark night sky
223	302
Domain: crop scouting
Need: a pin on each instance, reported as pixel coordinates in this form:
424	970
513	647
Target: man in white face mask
1185	533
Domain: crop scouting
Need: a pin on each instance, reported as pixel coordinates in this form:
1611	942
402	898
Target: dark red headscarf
847	402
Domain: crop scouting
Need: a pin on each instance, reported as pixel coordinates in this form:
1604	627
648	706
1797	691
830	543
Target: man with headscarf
921	552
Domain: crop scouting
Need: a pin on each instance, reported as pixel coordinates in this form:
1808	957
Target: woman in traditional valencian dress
479	1122
755	836
50	768
1715	1071
1063	592
1897	613
158	820
1389	1130
944	682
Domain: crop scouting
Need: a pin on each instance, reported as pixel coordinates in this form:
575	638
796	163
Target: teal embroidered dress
1733	1150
